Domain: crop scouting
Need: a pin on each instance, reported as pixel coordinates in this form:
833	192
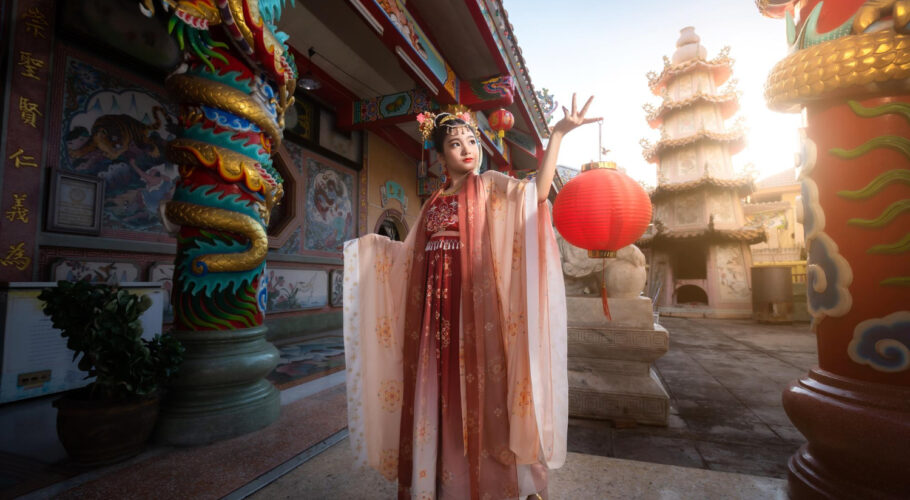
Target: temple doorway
392	225
691	294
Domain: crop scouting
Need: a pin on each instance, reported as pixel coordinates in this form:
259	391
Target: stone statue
625	274
582	274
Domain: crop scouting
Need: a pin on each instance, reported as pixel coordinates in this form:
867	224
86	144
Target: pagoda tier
727	99
742	186
720	68
707	234
698	244
692	206
735	140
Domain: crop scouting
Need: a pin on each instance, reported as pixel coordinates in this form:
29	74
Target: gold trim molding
861	63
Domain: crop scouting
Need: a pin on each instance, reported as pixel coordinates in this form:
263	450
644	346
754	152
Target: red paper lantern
501	121
601	210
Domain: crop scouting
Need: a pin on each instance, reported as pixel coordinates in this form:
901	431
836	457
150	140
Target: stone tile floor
725	379
728	435
330	475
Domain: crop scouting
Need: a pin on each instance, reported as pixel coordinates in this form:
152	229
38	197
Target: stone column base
610	374
609	396
220	391
858	437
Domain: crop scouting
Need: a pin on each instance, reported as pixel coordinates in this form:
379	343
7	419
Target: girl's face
460	151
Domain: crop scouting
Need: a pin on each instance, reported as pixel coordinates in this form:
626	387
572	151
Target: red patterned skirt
440	343
440	338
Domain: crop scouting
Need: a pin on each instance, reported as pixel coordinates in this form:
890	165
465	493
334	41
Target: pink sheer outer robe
512	333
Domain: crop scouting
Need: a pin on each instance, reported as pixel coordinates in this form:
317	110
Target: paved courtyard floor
330	476
728	435
725	379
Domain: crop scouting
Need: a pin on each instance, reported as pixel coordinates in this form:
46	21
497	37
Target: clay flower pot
97	432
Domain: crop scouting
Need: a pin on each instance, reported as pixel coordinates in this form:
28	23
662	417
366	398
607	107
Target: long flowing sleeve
531	291
376	272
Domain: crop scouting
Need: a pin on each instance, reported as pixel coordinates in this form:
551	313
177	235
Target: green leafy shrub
101	322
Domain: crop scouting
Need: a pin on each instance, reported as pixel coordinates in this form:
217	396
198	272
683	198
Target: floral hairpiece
426	121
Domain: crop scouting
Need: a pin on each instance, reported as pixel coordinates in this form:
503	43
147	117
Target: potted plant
112	418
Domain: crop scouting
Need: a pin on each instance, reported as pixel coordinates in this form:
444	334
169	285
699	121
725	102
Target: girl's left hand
574	119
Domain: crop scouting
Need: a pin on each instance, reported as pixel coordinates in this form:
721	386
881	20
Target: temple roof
563	175
743	186
519	68
720	68
728	101
750	235
784	178
736	139
768	206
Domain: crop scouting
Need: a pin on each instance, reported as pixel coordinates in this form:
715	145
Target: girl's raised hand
574	119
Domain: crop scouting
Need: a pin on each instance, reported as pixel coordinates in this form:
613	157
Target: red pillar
854	407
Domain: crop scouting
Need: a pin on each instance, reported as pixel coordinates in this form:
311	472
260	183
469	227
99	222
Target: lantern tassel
603	291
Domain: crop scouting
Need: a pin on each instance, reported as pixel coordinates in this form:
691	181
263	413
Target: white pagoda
698	244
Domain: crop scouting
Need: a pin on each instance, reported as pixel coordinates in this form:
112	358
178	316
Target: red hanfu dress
455	346
439	338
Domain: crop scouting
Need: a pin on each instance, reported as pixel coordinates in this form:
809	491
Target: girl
455	339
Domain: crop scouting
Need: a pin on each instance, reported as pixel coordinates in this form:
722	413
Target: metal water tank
772	294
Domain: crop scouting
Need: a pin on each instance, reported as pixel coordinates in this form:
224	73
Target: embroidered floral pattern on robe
442	215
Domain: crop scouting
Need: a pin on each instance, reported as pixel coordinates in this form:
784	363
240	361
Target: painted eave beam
416	54
383	110
488	93
404	106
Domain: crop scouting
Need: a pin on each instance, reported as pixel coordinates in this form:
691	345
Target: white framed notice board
35	358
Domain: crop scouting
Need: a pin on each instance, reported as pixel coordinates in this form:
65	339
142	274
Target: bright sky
605	47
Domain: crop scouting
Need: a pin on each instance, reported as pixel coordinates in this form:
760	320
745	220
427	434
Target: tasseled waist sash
443	243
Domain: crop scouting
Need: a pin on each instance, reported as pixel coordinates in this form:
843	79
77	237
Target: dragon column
848	72
233	87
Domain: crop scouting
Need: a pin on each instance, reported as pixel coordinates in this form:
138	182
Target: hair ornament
449	122
426	122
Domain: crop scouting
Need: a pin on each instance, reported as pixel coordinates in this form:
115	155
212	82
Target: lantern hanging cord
603	289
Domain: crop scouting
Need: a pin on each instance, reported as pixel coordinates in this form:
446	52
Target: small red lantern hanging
602	210
501	121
